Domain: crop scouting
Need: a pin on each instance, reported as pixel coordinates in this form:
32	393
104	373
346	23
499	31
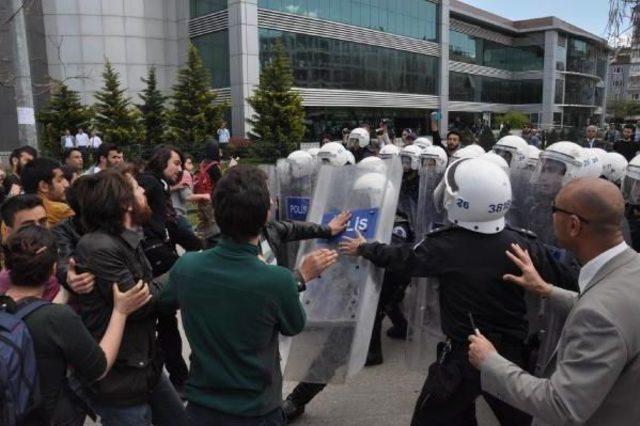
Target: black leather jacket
279	233
121	259
68	235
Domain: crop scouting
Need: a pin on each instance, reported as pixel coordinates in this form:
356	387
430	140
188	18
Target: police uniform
394	285
470	267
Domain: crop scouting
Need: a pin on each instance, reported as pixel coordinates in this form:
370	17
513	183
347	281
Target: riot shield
272	183
341	305
521	188
423	293
295	186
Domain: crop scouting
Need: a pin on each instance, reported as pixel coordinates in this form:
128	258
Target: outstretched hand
317	262
339	223
530	279
349	246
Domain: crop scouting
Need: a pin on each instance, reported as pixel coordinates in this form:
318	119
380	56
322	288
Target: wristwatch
302	286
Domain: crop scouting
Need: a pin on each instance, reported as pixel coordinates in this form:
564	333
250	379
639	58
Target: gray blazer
593	376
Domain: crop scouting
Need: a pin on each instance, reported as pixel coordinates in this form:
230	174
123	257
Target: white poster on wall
26	116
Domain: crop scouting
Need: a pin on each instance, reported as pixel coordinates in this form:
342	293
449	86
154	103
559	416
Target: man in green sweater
233	308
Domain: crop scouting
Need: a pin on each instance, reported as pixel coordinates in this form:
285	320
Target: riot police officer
360	143
468	258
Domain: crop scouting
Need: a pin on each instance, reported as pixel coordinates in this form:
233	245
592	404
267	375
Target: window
204	7
579	90
476	88
411	18
559	98
319	62
587	58
214	50
473	50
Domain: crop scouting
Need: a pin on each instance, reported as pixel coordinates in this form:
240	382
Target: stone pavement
383	395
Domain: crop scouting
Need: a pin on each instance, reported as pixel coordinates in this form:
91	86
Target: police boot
374	357
291	410
399	328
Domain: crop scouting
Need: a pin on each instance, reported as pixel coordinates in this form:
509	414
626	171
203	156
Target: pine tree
116	118
152	109
193	115
278	123
64	111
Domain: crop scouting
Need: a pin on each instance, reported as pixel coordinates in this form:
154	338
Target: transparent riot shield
295	185
272	183
520	178
423	294
341	305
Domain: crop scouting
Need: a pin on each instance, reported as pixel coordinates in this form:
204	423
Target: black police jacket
121	259
470	267
279	233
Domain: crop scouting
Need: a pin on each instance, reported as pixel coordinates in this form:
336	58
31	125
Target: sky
590	15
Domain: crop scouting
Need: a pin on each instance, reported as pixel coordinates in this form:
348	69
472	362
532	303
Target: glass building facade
330	121
474	50
411	18
326	63
584	57
214	50
204	7
476	88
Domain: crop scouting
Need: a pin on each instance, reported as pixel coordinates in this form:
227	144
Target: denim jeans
164	408
198	415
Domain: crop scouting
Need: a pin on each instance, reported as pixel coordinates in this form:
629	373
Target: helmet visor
549	175
504	153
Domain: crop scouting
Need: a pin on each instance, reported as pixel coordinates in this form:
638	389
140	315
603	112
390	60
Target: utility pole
23	90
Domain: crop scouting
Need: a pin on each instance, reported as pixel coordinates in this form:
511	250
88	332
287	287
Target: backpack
19	390
202	183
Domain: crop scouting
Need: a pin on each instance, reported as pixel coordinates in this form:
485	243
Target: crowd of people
528	254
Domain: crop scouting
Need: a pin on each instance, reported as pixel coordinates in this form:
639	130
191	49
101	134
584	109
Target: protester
107	155
182	194
162	232
73	158
135	391
94	141
18	159
44	177
68	233
18	212
626	146
612	134
231	282
60	340
594	376
453	137
209	173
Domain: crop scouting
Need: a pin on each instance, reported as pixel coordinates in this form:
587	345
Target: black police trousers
452	387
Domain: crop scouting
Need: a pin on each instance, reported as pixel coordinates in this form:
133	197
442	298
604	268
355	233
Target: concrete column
244	66
27	133
549	78
605	96
444	66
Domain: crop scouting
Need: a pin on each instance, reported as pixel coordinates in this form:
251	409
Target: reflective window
586	57
579	90
474	50
561	53
477	88
411	18
203	7
464	48
214	50
319	62
559	98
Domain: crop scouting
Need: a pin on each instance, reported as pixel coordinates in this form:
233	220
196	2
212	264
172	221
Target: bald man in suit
593	377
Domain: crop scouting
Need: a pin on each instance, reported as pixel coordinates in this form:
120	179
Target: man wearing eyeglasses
593	375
